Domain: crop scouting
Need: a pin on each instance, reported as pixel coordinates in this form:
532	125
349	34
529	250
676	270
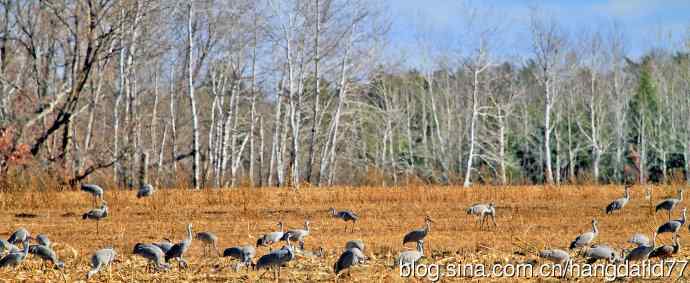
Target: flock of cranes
644	248
160	254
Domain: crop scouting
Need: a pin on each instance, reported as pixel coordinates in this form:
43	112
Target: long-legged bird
275	260
94	190
619	203
209	240
178	250
47	254
418	234
585	238
15	258
97	214
298	235
345	215
672	226
245	254
153	254
670	203
267	240
100	259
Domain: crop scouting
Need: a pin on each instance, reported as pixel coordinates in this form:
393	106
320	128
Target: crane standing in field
585	238
349	258
19	236
411	257
298	235
672	226
670	203
245	254
345	215
178	250
95	191
482	211
47	254
267	240
97	214
642	252
145	190
15	258
418	235
666	251
209	239
619	203
275	259
99	259
153	253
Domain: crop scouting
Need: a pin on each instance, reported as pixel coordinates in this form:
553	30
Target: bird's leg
97	229
493	218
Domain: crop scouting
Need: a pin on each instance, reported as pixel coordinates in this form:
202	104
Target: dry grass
529	218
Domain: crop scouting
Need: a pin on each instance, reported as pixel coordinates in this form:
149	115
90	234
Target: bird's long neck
306	226
594	228
427	227
676	244
189	233
682	217
626	195
680	195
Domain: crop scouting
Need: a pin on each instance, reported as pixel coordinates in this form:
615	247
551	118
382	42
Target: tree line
286	93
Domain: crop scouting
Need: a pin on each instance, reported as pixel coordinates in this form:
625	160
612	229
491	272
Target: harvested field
529	219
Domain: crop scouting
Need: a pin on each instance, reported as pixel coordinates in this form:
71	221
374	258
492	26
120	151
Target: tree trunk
192	101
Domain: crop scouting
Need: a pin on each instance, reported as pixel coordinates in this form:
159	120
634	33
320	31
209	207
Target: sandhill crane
43	240
619	203
419	234
345	215
15	258
6	246
585	238
97	214
95	191
275	259
19	236
411	257
153	253
99	259
298	235
209	240
482	211
47	254
165	245
245	254
672	226
597	252
670	203
349	258
359	244
642	252
639	239
269	239
666	251
178	250
557	256
145	190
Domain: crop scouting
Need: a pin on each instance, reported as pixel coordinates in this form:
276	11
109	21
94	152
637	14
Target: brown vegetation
529	218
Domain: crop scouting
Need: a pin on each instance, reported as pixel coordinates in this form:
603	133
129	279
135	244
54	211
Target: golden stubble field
529	219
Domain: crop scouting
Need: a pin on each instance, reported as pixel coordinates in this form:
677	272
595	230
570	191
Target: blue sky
642	22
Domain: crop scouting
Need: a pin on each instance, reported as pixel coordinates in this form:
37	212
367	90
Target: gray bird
145	190
100	259
165	245
418	234
209	239
97	214
298	235
482	211
47	254
345	215
672	226
666	251
411	257
598	252
349	258
275	260
15	258
555	255
6	246
670	203
95	191
19	236
359	244
245	254
153	254
642	252
619	203
267	240
43	240
178	250
639	239
585	238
